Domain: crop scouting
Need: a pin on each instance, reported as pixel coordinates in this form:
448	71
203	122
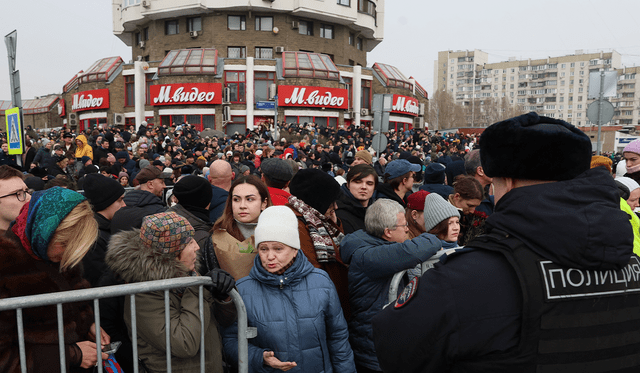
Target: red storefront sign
292	95
91	100
405	105
186	94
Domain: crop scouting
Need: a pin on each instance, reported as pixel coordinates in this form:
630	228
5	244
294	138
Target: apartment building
556	87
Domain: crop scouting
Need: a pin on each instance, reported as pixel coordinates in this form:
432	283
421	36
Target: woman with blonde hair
40	254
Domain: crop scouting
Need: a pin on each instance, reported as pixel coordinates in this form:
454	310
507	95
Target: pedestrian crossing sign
14	134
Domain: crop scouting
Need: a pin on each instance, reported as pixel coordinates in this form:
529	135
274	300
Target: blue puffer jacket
372	263
299	318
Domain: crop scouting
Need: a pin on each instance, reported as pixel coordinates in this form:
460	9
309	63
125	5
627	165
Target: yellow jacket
85	149
635	224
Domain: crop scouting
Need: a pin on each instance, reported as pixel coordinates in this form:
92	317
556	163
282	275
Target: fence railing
95	294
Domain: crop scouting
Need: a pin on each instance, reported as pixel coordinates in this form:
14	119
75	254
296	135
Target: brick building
222	67
236	65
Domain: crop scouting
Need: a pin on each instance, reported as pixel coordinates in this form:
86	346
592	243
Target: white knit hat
279	224
437	209
628	182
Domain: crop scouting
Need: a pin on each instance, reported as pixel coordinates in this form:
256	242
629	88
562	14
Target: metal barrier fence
425	266
95	294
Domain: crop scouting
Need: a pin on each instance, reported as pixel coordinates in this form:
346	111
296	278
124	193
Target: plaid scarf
323	231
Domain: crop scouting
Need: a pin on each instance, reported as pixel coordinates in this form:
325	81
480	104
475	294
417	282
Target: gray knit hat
437	209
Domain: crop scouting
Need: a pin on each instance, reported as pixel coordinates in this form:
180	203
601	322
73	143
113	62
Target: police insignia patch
407	293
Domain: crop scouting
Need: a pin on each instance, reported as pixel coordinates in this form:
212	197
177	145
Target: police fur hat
534	147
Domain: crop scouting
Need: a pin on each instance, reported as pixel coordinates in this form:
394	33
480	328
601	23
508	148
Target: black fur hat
536	148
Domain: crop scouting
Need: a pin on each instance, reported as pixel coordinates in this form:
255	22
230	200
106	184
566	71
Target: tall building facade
237	64
556	87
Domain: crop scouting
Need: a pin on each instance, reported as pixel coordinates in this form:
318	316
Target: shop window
130	121
199	121
171	27
309	65
237	23
236	52
194	24
92	123
264	23
359	43
349	85
366	94
189	61
101	70
237	124
326	31
235	81
392	76
129	91
264	52
305	28
261	82
209	121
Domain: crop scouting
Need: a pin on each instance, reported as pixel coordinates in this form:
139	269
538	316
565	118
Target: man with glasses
374	256
13	195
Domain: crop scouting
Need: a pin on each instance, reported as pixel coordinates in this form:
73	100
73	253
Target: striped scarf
326	236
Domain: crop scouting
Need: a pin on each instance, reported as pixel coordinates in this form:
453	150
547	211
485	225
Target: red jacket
279	197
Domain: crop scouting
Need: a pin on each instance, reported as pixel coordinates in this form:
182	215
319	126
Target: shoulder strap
209	254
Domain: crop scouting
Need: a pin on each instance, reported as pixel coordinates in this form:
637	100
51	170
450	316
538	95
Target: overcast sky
58	39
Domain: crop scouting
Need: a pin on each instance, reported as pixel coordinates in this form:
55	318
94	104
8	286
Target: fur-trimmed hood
134	262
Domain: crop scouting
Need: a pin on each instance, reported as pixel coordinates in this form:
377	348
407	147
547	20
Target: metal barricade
95	294
425	266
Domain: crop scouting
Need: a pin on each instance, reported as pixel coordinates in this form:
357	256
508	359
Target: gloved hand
223	282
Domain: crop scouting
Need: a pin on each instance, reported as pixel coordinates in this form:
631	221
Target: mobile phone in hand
111	348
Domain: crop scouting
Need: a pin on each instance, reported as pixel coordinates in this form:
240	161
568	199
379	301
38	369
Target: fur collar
134	262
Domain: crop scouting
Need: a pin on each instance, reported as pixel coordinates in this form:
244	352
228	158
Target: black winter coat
477	317
139	203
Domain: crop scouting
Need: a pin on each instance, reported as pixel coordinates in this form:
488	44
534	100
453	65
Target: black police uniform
554	287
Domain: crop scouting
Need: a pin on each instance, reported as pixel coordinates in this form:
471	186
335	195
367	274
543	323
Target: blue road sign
14	135
265	105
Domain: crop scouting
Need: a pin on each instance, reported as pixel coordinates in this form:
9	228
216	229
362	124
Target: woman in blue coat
295	306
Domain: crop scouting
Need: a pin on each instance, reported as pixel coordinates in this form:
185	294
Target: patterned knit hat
166	232
38	220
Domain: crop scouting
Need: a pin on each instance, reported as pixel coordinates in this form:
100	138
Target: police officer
552	287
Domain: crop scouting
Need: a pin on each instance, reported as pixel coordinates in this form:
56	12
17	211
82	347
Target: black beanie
193	191
101	191
315	188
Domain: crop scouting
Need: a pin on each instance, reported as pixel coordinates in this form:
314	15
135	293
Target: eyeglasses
400	226
21	195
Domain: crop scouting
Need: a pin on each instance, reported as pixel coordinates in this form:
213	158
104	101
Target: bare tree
444	113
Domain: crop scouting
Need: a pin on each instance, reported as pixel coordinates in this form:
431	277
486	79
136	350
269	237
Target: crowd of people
310	225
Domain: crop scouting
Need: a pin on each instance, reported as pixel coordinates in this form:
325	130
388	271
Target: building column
248	88
140	87
357	94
